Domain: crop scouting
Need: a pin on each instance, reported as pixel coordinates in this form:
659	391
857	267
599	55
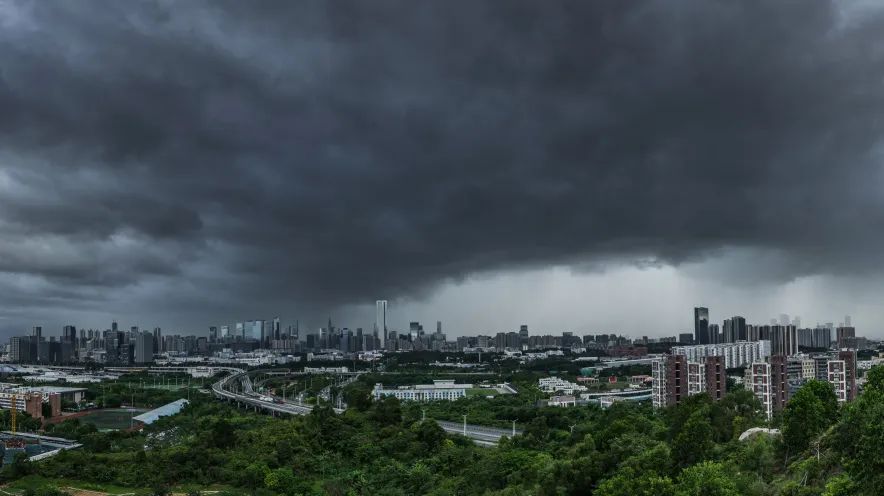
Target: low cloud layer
203	160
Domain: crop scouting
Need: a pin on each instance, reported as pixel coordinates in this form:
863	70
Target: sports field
112	418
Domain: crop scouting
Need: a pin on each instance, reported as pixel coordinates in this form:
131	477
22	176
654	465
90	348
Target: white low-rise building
555	385
443	390
562	401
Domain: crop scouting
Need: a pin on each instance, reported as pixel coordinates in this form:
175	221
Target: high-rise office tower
847	321
380	322
276	328
734	329
69	334
438	327
157	340
37	332
213	334
143	352
256	330
225	331
701	325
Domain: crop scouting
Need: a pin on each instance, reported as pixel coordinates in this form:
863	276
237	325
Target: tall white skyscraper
380	321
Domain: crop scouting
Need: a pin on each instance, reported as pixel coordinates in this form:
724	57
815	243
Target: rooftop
163	411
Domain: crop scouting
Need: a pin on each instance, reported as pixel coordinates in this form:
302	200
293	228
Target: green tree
358	396
875	379
430	435
706	479
694	441
387	411
858	439
811	410
756	454
628	482
281	480
840	485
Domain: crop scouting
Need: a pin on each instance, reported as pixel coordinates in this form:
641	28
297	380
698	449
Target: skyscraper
783	340
69	334
380	321
213	334
143	347
701	325
734	329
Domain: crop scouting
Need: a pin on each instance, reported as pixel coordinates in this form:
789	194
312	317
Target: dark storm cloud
326	153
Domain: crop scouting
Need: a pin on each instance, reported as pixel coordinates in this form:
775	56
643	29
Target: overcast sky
572	165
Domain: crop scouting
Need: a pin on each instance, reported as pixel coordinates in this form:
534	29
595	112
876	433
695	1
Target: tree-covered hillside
384	448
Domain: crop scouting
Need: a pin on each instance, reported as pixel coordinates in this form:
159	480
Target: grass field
80	488
112	418
168	387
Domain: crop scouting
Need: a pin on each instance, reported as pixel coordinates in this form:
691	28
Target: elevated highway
237	388
488	436
245	396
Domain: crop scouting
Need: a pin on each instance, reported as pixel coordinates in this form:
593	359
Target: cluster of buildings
774	368
785	334
38	401
111	346
775	381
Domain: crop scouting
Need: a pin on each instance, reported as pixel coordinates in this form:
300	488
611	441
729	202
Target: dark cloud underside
316	154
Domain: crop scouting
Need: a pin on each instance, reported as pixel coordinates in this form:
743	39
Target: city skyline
256	327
